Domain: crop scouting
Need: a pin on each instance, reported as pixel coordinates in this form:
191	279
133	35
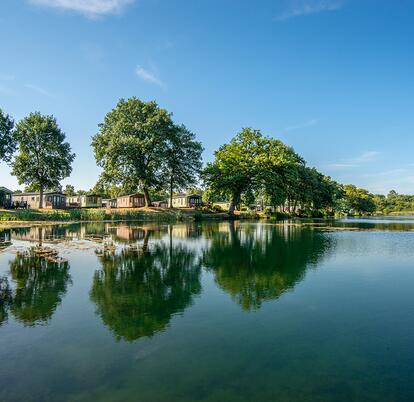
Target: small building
183	200
131	201
223	205
109	203
84	201
160	204
51	199
5	197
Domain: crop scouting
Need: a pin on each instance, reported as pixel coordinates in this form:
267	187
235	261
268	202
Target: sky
334	79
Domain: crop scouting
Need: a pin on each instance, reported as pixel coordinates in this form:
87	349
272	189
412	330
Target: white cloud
301	8
309	123
355	162
91	8
39	90
148	76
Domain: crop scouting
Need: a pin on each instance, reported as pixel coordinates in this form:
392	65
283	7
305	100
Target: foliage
131	144
43	159
233	172
356	201
182	161
69	190
93	214
255	169
394	203
7	141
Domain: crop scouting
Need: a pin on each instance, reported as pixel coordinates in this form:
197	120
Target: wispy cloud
341	166
148	76
301	8
90	8
39	90
400	179
309	123
365	157
355	161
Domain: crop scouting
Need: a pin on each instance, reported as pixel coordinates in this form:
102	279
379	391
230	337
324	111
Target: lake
228	311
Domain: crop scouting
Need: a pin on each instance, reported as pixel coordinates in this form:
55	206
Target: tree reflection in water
137	291
39	286
5	299
258	263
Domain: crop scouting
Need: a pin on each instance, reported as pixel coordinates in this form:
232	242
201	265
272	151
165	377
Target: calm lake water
209	312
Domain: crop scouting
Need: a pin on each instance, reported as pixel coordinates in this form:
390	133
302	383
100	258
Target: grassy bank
78	215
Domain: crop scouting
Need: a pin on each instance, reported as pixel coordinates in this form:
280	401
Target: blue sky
332	78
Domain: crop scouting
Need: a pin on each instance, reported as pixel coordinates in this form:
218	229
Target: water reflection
38	288
258	263
137	291
5	299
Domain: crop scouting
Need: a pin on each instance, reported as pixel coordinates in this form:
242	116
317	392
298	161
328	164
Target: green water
209	312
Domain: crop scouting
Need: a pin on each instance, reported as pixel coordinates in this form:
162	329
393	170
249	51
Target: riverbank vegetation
124	214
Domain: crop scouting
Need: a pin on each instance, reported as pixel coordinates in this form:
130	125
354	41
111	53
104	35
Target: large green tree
7	142
44	158
182	160
233	171
131	145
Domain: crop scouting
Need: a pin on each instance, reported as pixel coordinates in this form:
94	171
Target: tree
69	190
278	172
356	201
233	173
182	160
44	158
131	145
7	142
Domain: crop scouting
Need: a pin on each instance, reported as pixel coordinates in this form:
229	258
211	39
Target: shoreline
11	218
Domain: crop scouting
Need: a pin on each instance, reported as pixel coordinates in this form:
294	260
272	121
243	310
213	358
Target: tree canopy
182	164
131	144
44	158
7	141
252	166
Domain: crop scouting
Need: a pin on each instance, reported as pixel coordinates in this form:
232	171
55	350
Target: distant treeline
140	148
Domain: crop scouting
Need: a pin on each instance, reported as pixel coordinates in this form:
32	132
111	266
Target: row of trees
140	148
253	166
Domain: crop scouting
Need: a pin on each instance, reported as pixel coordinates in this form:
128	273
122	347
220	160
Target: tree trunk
233	203
41	197
171	192
147	197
